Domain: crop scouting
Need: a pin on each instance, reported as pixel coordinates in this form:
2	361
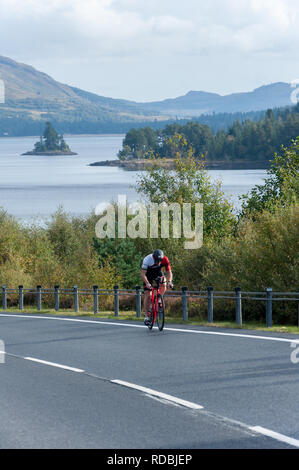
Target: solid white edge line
181	330
53	364
275	435
155	393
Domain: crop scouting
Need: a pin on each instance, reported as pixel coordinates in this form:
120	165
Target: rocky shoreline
49	153
139	165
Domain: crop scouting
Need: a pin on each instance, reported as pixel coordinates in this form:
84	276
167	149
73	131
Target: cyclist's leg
147	301
148	318
162	287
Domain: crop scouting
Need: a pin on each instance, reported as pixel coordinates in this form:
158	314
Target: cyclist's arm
169	279
169	276
168	270
144	278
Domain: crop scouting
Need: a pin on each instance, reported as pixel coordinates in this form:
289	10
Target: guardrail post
138	301
21	298
39	297
56	295
238	306
4	298
116	301
185	303
76	299
210	305
269	307
95	299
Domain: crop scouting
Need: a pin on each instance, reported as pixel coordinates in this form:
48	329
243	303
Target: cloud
182	41
110	26
96	23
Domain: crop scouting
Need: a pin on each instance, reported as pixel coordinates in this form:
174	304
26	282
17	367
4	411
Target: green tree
263	253
63	145
40	145
189	182
136	141
51	137
244	140
281	185
123	256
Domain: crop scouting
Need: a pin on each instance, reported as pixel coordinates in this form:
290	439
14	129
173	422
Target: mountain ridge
34	95
274	95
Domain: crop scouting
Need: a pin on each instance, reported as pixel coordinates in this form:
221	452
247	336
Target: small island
50	143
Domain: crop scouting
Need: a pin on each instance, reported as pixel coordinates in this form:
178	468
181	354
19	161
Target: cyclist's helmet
158	255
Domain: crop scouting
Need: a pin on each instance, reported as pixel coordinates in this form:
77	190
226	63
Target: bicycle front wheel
161	313
151	320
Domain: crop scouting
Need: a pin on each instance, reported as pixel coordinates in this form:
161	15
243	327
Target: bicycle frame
156	294
155	302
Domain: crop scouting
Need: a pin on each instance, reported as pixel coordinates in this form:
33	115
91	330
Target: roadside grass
131	316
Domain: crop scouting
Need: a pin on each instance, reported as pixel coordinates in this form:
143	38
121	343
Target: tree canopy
281	185
51	141
248	140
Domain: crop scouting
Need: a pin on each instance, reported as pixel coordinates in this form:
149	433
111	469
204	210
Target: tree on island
51	141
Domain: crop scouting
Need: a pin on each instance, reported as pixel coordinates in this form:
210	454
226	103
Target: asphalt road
72	383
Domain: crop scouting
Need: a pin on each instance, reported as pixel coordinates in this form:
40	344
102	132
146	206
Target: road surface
90	383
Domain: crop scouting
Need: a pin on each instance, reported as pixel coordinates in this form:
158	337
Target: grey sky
155	49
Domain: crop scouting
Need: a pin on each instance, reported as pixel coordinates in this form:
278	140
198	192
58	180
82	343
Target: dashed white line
275	435
148	391
155	393
53	364
169	398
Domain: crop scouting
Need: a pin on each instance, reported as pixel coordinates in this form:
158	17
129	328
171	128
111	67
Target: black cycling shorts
152	277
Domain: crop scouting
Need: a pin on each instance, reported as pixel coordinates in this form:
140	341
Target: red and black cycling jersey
154	270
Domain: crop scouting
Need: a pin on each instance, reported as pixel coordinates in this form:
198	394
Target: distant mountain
38	96
196	103
32	97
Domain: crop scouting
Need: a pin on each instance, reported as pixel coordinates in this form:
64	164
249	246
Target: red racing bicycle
157	312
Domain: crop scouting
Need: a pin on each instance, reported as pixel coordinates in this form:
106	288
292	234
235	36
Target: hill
196	103
41	97
33	97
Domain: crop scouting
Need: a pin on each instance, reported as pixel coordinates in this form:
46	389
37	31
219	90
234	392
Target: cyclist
151	269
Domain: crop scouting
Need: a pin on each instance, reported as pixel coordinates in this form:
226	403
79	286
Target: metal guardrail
268	296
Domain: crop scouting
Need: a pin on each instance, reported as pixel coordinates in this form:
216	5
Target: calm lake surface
33	187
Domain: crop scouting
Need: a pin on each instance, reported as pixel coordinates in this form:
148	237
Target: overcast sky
147	50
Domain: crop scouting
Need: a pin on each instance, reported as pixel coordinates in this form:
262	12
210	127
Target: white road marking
170	398
180	330
53	364
77	320
275	435
155	393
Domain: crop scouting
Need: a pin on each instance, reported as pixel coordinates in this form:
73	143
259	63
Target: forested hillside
33	98
21	124
248	140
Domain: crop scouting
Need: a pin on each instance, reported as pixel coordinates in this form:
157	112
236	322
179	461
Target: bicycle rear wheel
161	313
